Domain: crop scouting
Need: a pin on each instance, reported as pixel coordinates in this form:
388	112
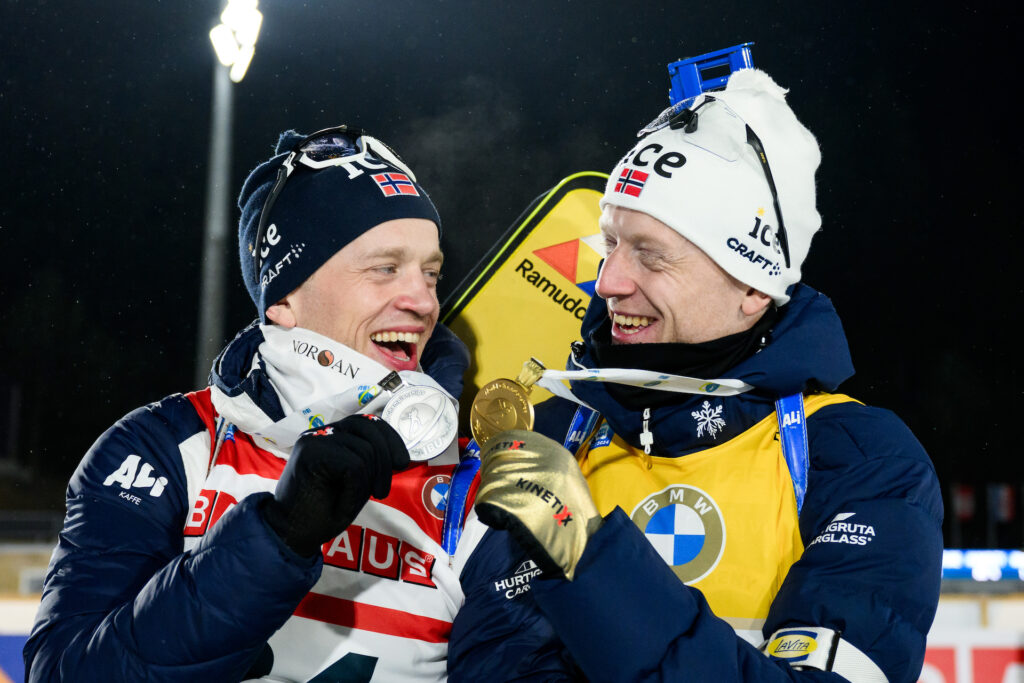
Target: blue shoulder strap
793	436
458	493
583	423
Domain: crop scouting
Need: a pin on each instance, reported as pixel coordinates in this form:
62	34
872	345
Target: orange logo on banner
562	257
571	263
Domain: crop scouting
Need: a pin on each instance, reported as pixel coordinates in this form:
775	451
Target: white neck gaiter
317	381
306	367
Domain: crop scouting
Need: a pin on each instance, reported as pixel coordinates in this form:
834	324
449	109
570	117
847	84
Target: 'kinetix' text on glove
533	487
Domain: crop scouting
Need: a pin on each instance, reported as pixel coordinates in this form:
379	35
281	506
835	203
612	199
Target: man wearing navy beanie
299	517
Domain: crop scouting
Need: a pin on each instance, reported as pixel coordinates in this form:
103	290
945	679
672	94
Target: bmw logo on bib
685	526
435	494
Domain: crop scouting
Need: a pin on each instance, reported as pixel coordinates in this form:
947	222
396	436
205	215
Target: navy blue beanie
316	214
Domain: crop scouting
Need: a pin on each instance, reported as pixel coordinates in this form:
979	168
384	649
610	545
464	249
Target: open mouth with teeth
629	325
398	348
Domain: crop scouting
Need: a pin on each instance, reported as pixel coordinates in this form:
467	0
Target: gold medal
504	404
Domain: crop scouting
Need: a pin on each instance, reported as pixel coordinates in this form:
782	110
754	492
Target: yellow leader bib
724	519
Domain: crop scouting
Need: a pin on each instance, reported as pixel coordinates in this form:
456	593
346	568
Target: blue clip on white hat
702	169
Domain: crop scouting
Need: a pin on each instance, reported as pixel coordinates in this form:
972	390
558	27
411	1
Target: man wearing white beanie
707	508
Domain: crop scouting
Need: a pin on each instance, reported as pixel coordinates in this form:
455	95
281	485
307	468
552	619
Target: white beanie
709	185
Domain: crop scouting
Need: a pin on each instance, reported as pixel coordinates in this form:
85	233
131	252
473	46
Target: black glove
331	474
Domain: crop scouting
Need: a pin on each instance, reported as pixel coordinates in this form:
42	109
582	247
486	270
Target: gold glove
533	487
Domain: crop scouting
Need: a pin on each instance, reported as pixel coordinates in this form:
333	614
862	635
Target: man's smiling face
661	288
377	295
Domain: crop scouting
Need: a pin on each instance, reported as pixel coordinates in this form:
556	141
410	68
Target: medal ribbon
659	381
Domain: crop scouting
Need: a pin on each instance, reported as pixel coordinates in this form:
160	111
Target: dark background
104	129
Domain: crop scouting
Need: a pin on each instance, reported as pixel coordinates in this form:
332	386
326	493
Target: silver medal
424	417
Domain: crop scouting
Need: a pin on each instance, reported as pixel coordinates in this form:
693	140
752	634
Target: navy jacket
627	617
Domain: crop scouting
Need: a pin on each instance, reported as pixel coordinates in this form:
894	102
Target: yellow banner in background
526	298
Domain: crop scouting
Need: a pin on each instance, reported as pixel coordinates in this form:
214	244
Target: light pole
234	41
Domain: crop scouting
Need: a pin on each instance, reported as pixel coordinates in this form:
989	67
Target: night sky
105	115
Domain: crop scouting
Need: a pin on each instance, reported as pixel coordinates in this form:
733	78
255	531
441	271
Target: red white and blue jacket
166	571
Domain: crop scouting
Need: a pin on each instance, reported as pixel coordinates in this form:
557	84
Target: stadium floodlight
234	39
234	42
223	39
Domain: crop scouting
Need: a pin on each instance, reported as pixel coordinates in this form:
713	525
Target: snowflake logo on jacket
708	419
